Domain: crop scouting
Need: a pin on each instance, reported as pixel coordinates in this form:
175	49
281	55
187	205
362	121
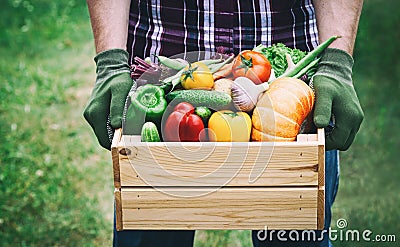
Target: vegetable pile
256	95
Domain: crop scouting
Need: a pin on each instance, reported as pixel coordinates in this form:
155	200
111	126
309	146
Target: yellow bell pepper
229	126
197	76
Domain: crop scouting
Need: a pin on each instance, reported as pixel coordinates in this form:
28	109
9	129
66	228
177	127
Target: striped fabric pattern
169	27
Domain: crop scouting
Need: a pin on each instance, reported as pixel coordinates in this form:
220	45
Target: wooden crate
219	185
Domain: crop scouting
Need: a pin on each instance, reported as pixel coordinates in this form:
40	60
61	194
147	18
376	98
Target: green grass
51	164
56	182
369	195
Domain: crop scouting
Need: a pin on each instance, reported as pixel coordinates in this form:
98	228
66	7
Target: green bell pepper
147	105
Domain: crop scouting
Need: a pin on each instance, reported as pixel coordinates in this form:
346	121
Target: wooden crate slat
287	166
226	208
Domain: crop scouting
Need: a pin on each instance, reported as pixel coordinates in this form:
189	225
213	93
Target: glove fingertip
116	122
321	120
105	144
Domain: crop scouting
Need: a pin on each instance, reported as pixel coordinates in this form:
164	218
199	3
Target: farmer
124	29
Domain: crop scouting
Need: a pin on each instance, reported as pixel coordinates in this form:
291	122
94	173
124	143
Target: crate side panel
226	208
191	165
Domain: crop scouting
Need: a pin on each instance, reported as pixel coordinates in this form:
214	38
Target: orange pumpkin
281	110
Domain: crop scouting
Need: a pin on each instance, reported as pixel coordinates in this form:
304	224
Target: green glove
335	95
107	102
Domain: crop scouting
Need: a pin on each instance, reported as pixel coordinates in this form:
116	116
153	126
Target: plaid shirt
169	27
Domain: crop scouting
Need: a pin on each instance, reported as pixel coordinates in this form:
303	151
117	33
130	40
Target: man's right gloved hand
108	97
335	94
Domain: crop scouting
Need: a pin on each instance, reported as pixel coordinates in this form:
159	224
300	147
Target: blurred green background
56	182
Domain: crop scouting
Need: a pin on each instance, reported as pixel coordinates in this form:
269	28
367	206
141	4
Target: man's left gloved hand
108	97
335	95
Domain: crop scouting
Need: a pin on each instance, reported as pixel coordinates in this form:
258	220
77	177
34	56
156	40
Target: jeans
183	238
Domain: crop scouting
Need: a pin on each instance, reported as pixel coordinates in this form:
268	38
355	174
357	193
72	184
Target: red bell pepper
183	125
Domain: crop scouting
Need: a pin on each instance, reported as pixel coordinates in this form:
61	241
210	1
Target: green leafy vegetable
276	56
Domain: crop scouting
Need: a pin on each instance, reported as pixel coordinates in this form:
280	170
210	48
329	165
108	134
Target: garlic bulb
245	93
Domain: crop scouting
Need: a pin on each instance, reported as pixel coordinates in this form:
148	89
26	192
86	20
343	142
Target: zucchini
212	99
150	133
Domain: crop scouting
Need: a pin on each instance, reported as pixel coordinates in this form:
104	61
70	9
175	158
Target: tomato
183	125
197	76
229	126
253	65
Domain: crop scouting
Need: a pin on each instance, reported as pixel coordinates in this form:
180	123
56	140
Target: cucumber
204	113
150	133
212	99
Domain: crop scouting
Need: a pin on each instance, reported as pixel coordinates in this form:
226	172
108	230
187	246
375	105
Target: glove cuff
111	63
336	64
